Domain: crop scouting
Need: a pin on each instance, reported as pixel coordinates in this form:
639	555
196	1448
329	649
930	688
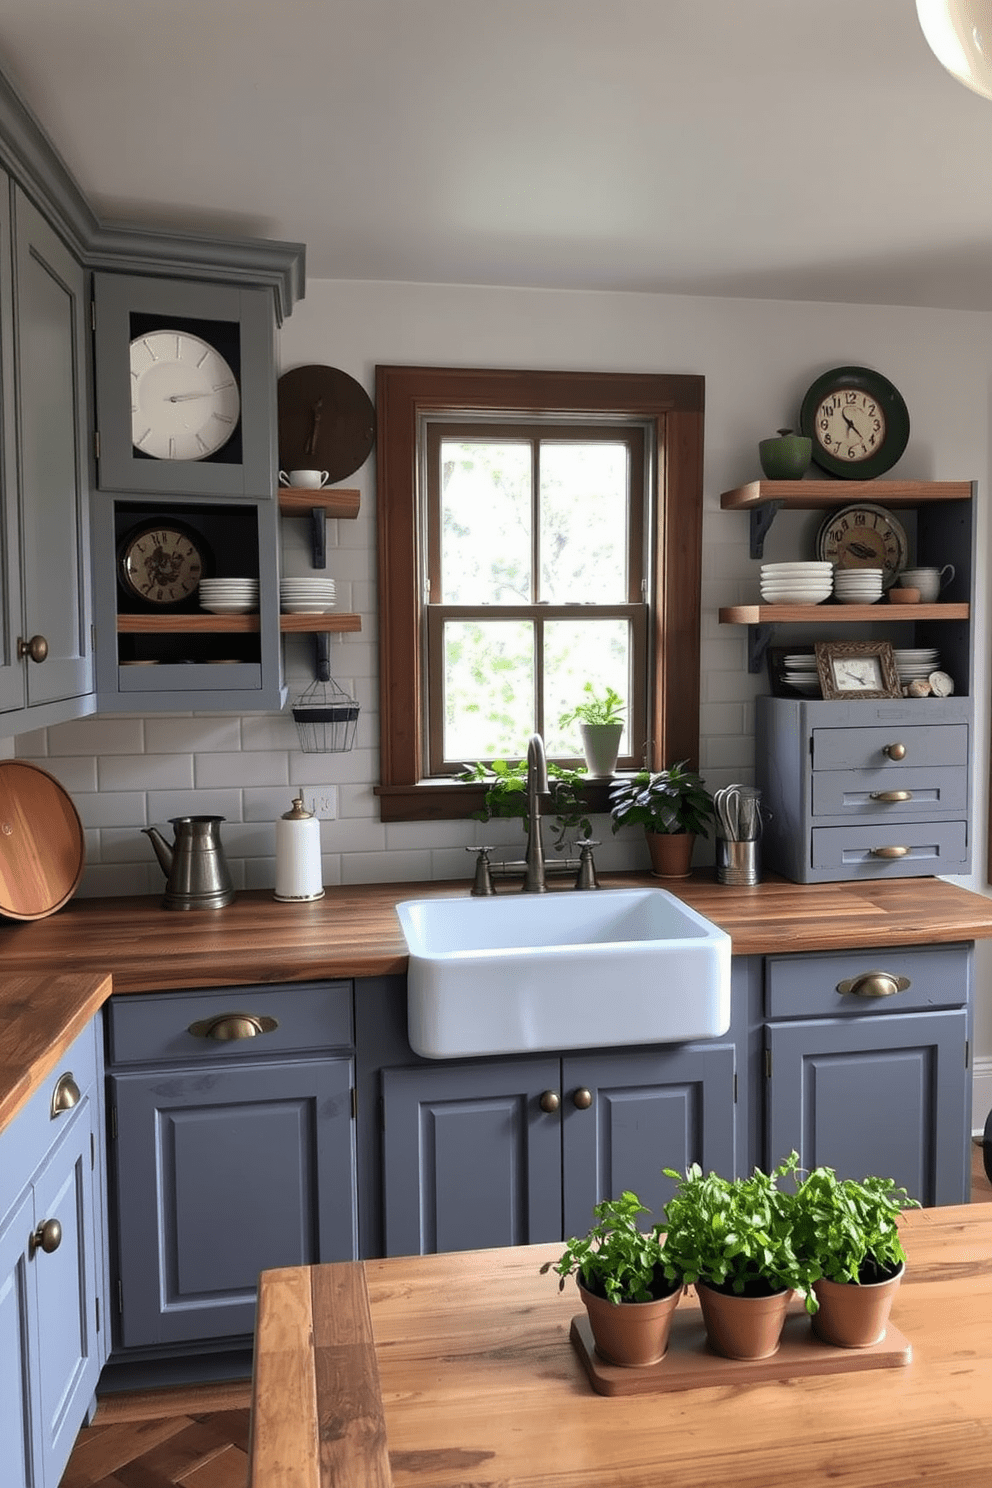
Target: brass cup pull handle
891	796
65	1095
582	1098
889	852
873	984
895	751
36	648
233	1026
47	1237
550	1101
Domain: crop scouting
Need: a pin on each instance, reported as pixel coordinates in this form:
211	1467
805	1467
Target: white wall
758	358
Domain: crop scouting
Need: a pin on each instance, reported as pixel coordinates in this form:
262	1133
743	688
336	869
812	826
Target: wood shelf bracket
758	640
322	647
318	536
761	519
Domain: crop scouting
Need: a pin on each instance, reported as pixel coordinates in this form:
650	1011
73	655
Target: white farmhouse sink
563	970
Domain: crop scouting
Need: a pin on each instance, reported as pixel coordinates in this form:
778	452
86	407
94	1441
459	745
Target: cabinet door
66	1283
223	1172
11	668
51	414
886	1095
638	1113
470	1159
20	1444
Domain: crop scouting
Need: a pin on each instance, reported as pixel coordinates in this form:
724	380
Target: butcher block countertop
54	971
443	1370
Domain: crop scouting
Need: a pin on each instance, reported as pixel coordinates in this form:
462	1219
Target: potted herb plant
628	1297
733	1239
601	726
846	1235
506	797
673	806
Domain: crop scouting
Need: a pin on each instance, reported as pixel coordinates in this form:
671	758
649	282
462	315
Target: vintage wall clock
864	536
162	562
326	421
857	420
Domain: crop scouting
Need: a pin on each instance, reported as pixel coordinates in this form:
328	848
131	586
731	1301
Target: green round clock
857	420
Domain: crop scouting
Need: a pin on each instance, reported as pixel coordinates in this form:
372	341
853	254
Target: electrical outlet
326	804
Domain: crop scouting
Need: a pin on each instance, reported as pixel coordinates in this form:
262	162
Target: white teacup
929	581
307	480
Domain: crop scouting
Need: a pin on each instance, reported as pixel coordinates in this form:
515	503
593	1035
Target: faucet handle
586	877
482	884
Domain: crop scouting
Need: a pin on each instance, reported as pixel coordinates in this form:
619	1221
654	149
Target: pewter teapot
194	864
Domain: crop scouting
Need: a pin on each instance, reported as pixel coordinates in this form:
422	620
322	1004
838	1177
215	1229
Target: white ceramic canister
298	871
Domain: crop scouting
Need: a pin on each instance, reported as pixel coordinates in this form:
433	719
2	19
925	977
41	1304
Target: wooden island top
444	1371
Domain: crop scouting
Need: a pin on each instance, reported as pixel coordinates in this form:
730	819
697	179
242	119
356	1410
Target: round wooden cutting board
42	849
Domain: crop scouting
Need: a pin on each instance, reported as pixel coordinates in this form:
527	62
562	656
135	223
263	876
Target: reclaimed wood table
452	1370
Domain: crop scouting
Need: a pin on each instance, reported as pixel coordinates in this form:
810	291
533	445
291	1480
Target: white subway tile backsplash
113	880
403	867
75	774
265	767
270	731
164	805
111	808
30	746
261	805
192	734
98	736
125	845
128	772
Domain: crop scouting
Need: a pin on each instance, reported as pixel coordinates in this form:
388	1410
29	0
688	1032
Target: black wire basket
326	719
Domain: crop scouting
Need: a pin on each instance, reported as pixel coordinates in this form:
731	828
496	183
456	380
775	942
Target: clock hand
184	397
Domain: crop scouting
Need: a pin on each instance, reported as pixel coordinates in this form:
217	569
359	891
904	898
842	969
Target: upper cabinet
185	387
46	656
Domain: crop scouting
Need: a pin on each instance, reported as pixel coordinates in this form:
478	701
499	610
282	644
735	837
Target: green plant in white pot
600	720
673	806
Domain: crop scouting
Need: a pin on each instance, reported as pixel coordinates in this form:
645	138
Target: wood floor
199	1438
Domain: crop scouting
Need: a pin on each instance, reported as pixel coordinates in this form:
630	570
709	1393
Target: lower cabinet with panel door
232	1151
53	1333
867	1064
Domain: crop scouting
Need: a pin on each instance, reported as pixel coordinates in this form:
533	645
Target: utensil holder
737	862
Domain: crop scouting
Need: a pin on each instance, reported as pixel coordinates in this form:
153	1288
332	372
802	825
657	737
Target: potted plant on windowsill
506	797
673	806
628	1297
733	1239
847	1239
601	726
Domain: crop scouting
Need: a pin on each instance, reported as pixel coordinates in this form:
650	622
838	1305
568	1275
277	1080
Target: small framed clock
160	563
857	669
857	420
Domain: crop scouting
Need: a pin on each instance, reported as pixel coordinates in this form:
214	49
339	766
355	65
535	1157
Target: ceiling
785	149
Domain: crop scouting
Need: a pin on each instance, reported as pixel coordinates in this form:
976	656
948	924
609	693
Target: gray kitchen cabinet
53	1336
518	1151
232	1151
46	666
867	1065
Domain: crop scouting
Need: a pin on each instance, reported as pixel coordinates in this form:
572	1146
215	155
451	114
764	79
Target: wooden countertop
438	1371
354	932
40	1016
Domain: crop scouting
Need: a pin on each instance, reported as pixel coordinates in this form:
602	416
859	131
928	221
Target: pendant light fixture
959	33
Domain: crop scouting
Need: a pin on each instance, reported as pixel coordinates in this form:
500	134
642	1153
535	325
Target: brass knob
891	796
65	1095
36	648
895	751
233	1026
47	1237
550	1101
582	1098
889	852
873	984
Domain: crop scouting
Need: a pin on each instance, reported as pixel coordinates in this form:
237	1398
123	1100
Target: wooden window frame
672	405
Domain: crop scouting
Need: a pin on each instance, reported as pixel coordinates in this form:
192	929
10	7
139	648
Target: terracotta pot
633	1334
853	1314
671	853
741	1327
600	745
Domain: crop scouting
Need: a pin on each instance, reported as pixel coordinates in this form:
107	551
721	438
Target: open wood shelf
233	624
763	614
808	495
295	501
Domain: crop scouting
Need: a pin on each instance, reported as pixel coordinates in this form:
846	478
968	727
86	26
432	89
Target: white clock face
850	425
857	674
184	396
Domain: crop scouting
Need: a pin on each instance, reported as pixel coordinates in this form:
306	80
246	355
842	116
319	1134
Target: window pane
584	523
488	689
485	523
577	652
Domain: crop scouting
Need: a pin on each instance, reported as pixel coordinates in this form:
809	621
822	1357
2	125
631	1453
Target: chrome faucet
537	789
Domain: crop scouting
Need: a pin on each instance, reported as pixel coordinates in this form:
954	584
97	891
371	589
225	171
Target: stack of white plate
916	663
229	596
800	672
306	596
858	585
796	583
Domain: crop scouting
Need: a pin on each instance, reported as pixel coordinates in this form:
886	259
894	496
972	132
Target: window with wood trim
487	570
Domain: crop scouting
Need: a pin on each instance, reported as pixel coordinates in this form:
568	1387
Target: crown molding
29	156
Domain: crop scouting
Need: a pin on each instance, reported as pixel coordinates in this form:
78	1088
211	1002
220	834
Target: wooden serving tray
690	1364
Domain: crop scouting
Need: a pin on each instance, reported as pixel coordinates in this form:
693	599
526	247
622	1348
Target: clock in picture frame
857	669
185	387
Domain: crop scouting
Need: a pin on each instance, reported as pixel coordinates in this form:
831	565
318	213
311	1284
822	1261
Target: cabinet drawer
934	847
856	793
156	1027
27	1138
806	986
864	748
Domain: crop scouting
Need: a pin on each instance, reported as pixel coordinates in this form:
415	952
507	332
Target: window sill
450	800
